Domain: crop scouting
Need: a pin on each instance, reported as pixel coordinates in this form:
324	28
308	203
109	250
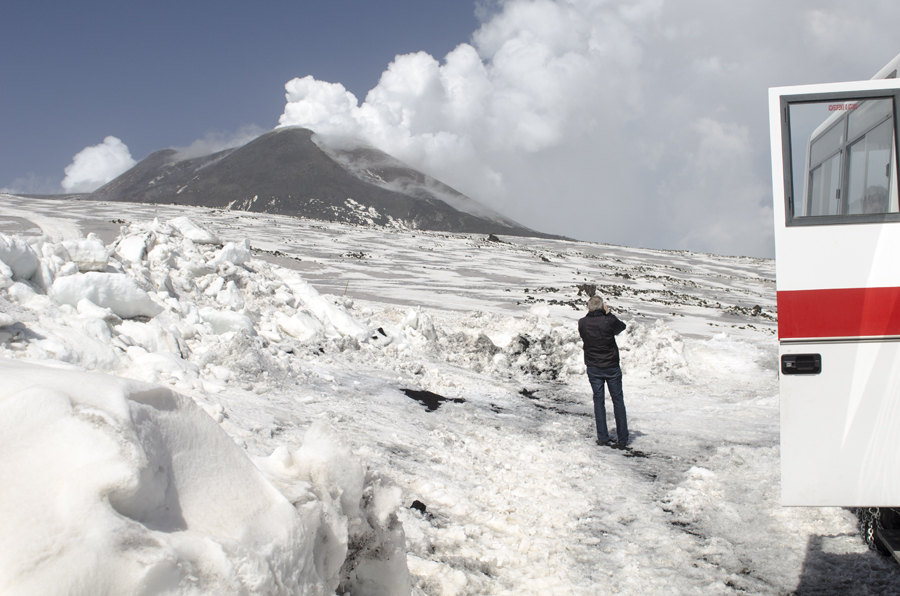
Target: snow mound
89	253
236	253
225	321
132	249
158	499
336	320
20	259
192	231
534	345
248	360
725	356
653	351
545	353
114	291
360	546
191	292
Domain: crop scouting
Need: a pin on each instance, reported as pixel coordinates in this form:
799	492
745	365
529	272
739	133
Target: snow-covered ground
293	406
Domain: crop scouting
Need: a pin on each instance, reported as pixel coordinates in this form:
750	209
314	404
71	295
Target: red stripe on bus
853	312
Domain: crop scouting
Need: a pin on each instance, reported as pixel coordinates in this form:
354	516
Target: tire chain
869	519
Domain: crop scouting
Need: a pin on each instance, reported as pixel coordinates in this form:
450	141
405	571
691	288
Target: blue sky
633	122
164	73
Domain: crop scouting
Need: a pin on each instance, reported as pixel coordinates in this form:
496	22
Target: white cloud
92	167
215	142
329	107
632	122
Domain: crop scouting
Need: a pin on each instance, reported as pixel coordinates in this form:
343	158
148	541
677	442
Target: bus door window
825	187
842	160
870	131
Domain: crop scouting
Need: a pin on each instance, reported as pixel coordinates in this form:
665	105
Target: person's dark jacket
598	331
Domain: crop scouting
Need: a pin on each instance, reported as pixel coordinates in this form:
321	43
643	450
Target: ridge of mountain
286	172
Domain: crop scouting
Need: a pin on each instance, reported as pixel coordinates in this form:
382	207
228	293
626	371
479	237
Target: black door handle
801	364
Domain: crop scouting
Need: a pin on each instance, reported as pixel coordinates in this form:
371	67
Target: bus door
837	250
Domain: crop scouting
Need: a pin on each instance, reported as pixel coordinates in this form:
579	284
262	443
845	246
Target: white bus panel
839	439
837	245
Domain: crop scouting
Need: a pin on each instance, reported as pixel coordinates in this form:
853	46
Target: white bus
837	250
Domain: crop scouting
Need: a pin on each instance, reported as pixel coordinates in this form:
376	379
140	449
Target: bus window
842	161
824	184
869	162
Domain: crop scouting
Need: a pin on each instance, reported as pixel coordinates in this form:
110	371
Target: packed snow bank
208	291
20	259
653	351
348	506
336	319
237	254
192	231
545	348
141	492
732	357
114	291
156	271
89	253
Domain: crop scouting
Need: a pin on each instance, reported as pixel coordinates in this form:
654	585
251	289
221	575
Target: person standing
598	331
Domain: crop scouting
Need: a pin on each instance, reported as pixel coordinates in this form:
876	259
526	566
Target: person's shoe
619	445
607	443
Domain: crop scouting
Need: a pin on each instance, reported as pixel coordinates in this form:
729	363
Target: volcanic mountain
290	171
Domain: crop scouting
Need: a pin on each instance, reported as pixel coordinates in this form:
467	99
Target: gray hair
595	303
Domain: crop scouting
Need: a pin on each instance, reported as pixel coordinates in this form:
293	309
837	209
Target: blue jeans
613	378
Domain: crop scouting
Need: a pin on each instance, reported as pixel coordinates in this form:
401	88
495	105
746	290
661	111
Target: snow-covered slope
216	402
